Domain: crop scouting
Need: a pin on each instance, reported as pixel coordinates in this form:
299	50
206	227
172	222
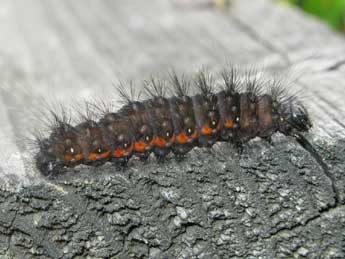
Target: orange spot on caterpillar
206	130
182	138
160	142
77	157
67	157
229	124
95	156
92	156
140	146
120	152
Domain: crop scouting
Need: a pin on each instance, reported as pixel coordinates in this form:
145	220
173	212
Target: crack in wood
336	66
323	211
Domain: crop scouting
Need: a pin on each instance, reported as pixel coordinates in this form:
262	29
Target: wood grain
272	201
73	50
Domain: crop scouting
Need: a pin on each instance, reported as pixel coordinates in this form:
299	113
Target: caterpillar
239	111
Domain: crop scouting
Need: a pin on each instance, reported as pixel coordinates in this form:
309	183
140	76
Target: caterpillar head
46	162
294	117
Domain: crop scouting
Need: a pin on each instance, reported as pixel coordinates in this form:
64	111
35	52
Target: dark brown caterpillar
237	113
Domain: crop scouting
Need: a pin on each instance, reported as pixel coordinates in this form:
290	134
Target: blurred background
330	11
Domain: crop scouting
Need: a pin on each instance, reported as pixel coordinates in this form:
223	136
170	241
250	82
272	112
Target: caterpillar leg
239	147
120	162
268	140
144	156
180	157
161	153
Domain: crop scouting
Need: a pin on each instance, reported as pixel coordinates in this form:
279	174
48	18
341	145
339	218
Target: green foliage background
331	11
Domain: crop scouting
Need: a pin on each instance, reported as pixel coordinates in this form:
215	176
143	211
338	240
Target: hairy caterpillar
239	111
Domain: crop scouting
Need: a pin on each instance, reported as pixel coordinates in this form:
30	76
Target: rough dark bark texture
272	201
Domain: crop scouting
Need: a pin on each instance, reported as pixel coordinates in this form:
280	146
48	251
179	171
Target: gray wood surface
68	51
271	202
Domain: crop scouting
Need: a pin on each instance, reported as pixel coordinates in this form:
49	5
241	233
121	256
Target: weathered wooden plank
272	201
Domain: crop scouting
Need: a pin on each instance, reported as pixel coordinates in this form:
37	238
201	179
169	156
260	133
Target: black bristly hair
181	86
231	80
204	82
155	87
